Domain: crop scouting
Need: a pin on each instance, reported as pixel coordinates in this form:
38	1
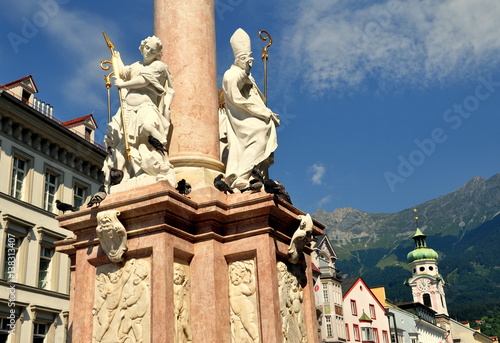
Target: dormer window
88	134
26	96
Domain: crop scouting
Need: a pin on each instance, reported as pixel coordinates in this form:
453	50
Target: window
400	338
355	332
326	298
385	337
375	335
51	186
11	260
4	329
26	96
366	334
44	272
354	310
79	195
427	300
15	248
372	312
49	261
328	321
88	134
39	332
19	173
340	328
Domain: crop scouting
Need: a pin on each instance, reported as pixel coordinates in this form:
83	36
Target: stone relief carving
291	304
301	237
182	304
243	302
112	235
122	303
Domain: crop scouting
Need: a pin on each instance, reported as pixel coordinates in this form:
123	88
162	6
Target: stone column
187	30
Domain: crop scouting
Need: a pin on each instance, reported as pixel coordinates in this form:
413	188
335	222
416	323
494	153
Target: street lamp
390	314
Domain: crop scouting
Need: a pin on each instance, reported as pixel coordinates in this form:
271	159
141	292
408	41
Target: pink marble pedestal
207	232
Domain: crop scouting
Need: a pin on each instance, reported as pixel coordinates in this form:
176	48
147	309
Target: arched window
427	300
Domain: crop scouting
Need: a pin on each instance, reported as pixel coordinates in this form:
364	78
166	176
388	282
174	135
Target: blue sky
384	104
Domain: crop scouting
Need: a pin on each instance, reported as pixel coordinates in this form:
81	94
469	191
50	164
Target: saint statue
138	148
250	127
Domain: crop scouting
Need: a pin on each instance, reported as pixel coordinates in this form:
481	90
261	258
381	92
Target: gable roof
80	120
26	82
347	285
323	243
350	283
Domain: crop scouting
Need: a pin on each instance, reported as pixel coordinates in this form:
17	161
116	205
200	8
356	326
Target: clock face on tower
423	284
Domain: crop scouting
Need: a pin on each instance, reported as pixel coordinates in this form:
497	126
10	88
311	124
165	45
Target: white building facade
328	292
41	161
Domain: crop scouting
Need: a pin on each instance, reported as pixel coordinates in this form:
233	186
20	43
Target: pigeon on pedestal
98	197
61	206
221	185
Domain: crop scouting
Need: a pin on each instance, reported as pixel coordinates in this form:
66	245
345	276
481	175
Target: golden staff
265	57
116	73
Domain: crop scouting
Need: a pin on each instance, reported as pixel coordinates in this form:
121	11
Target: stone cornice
46	136
26	205
20	286
159	207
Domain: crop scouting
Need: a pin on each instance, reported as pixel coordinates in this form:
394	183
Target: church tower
426	282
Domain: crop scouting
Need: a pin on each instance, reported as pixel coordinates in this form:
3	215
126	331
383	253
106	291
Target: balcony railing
48	111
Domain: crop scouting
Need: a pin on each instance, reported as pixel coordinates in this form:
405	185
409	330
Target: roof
79	120
28	77
347	284
323	243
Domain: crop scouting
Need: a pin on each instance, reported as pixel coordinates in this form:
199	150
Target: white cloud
342	44
318	171
325	200
82	44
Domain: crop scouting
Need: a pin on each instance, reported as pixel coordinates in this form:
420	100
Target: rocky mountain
462	226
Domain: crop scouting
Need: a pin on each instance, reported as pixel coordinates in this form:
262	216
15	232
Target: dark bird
155	143
276	188
115	176
98	197
257	174
62	206
183	187
254	186
221	185
256	183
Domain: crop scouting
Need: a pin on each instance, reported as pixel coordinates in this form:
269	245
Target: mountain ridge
462	226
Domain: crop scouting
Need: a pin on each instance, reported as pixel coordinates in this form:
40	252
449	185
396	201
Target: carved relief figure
182	305
301	237
135	303
291	305
250	126
122	300
147	92
242	300
106	303
112	235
